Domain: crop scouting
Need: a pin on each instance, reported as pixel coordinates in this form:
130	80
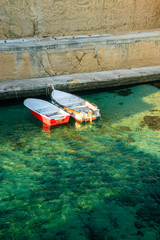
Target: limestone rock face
28	18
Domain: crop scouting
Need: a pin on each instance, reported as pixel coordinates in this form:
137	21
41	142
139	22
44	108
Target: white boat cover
45	108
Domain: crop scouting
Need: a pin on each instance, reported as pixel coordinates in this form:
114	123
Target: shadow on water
118	207
119	103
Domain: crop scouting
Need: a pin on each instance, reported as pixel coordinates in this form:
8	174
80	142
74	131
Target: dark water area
98	180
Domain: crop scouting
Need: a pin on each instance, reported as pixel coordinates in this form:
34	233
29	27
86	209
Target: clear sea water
100	180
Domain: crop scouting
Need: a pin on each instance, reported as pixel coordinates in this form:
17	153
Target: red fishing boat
46	112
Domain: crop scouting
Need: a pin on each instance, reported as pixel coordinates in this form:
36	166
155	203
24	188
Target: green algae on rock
152	122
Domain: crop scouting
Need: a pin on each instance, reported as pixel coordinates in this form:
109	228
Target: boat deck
51	114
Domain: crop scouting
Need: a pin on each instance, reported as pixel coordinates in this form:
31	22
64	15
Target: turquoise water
98	180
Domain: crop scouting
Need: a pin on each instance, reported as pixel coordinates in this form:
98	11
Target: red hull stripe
48	121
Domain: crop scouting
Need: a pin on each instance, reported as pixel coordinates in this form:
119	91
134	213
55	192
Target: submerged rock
125	128
121	103
142	124
124	92
153	122
153	110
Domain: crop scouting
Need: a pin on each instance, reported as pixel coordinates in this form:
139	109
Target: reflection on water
99	180
46	128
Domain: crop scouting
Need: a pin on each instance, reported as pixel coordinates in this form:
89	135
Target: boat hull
48	121
80	109
46	112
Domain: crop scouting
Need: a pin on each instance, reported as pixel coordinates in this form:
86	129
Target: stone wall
26	18
33	59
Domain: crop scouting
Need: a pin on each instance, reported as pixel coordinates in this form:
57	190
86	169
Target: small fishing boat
77	107
48	113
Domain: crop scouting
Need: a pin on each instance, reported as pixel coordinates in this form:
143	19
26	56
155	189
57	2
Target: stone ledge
76	41
78	82
36	58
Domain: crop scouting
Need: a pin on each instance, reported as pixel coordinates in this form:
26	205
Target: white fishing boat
77	107
47	112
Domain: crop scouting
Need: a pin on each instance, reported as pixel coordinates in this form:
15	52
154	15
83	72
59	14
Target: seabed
96	181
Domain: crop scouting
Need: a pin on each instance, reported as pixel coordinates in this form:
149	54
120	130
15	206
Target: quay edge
77	82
